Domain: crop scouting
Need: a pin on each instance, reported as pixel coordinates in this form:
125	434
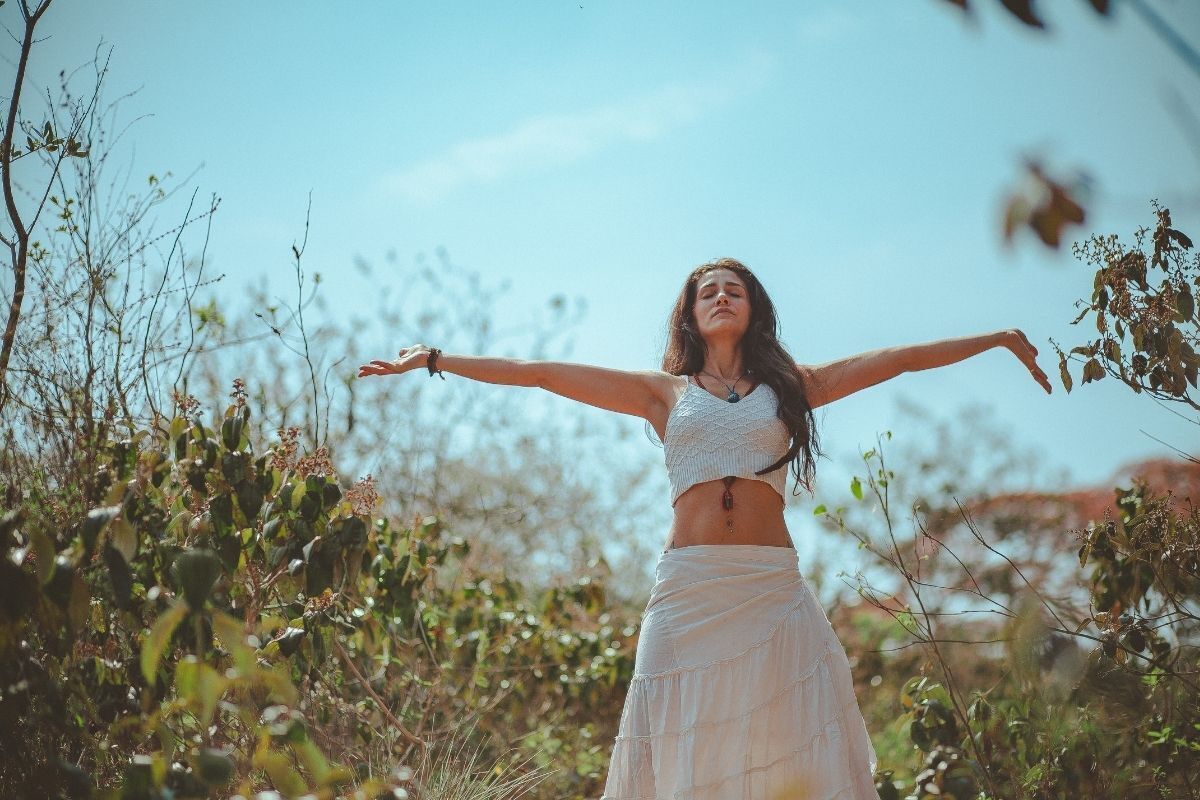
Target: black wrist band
431	363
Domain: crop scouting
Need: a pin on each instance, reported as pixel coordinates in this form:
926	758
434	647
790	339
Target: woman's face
722	308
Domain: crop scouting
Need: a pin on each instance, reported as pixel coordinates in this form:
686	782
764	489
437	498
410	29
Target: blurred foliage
1049	206
220	619
1024	695
1026	10
1039	676
1046	206
185	613
513	467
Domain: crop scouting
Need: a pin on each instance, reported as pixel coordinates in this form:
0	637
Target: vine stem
881	493
350	665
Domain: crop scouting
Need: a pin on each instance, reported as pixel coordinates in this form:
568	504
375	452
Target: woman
741	688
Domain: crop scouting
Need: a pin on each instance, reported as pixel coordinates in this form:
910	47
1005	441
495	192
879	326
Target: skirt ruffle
741	690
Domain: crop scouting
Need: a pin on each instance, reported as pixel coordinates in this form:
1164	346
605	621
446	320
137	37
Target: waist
724	553
756	518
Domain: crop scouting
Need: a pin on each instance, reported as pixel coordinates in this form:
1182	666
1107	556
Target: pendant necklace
733	395
727	501
727	495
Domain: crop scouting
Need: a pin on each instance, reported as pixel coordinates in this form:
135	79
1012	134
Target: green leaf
819	510
123	538
271	528
1187	306
198	683
220	506
139	777
43	548
156	642
232	634
297	494
178	426
249	498
120	575
279	768
197	570
231	432
856	488
279	685
214	767
96	521
313	760
81	602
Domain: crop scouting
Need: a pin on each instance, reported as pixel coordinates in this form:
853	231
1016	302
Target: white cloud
556	139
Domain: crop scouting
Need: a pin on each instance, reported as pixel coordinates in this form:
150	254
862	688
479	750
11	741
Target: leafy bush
224	619
1056	687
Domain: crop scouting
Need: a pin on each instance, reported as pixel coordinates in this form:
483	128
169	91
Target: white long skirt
741	689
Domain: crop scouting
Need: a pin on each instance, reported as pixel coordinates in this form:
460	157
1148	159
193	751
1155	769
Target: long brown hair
763	356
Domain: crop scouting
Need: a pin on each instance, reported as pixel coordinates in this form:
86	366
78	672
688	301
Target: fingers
1041	378
395	366
1028	355
1029	358
376	367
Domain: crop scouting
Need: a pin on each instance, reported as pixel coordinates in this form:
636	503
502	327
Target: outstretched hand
409	358
1016	341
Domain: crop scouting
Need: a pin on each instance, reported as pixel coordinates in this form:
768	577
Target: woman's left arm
844	377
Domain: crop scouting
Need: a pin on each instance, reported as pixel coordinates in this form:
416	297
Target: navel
727	501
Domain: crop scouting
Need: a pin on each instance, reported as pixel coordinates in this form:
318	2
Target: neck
724	360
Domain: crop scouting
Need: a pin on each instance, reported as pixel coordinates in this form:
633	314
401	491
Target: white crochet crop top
708	438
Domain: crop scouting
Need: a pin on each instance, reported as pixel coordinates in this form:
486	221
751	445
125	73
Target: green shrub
223	621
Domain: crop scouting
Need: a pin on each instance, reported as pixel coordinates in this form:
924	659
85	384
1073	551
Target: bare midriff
756	515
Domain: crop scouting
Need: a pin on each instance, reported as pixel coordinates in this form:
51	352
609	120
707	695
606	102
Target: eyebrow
711	283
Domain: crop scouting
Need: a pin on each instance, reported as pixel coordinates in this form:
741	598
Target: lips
723	311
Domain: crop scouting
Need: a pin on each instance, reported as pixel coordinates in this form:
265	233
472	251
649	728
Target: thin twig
349	662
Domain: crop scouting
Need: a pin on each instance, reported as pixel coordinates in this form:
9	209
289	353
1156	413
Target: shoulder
808	373
665	385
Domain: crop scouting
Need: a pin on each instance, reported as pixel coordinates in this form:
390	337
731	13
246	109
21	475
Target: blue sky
854	154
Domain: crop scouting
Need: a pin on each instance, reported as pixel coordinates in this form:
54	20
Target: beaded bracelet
431	363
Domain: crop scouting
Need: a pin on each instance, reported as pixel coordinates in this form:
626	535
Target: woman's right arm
637	393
